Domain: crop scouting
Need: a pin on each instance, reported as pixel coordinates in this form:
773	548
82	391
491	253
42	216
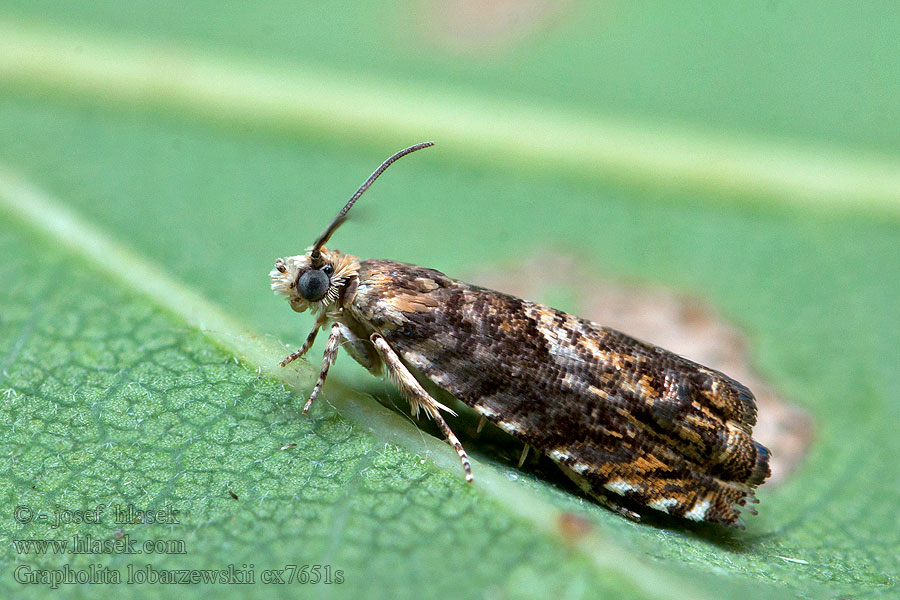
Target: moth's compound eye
328	270
313	285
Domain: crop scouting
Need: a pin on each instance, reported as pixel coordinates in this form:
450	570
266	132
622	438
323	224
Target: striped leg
419	398
334	340
599	494
307	344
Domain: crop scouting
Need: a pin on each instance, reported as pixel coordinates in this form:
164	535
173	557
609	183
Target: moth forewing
619	415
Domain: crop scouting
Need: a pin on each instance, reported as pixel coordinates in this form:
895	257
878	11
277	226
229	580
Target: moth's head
318	278
310	282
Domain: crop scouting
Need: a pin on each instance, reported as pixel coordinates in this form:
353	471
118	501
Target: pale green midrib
295	97
50	218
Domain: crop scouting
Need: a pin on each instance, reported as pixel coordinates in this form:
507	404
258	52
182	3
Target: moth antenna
316	255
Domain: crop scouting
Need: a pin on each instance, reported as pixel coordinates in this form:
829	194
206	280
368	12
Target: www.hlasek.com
88	544
148	574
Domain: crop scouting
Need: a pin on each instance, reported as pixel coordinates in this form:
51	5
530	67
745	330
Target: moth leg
481	424
334	340
614	506
418	397
320	321
599	494
524	455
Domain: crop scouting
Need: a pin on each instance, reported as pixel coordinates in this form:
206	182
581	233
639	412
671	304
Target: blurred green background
744	153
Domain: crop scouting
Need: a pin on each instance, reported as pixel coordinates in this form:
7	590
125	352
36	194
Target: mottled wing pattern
620	414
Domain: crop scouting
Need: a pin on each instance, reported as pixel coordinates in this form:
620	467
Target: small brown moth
617	414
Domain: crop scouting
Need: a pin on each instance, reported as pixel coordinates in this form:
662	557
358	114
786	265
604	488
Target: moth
620	416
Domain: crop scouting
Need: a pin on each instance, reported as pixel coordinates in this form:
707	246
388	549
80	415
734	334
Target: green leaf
111	401
143	208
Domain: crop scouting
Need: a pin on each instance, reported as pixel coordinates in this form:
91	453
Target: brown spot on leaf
480	26
682	324
572	527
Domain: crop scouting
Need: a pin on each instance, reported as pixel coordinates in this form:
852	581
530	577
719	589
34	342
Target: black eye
328	270
313	285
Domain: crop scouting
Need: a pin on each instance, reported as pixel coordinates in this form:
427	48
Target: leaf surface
136	235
